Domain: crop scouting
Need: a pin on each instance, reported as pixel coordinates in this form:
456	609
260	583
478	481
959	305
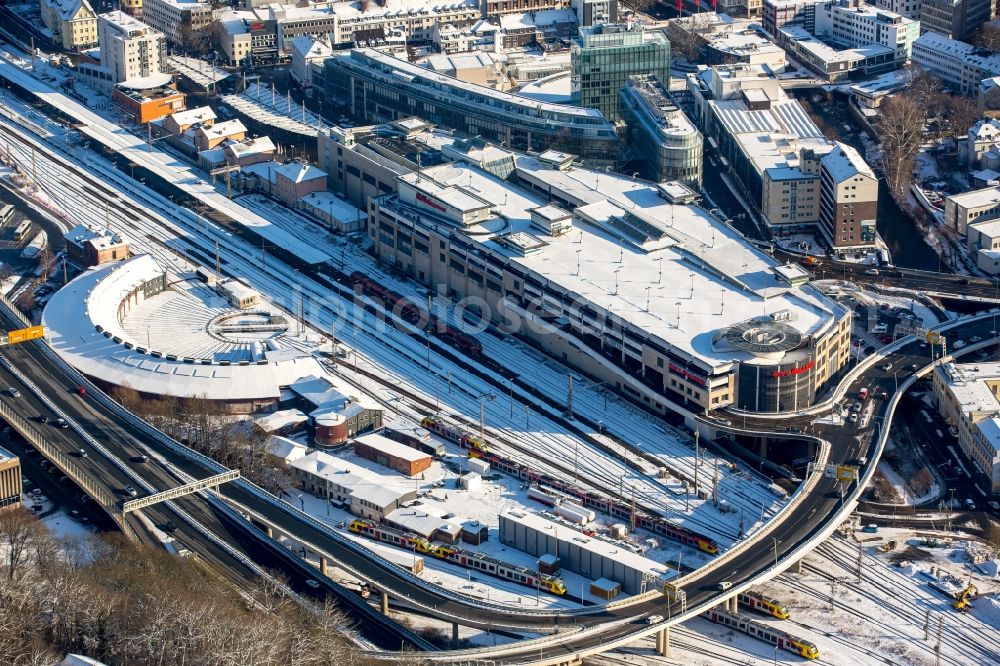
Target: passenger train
452	434
592	500
463	558
758	602
766	633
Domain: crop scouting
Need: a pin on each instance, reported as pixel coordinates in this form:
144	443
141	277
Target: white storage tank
591	516
572	515
543	497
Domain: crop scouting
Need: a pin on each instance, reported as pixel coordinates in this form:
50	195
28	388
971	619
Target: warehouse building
587	556
363	492
385	451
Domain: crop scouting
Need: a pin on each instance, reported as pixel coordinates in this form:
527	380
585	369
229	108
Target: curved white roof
74	312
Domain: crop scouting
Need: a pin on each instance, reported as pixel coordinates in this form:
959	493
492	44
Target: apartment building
605	56
501	7
780	159
779	14
595	12
907	8
855	24
73	23
415	19
848	198
961	66
958	19
665	144
177	19
967	397
132	52
375	87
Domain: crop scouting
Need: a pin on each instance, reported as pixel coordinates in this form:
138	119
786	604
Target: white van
880	328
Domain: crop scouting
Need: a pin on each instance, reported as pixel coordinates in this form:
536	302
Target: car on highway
80	453
856	407
654	619
14	393
994	505
312	583
169	527
854	418
725	585
969	504
81	390
887	367
975	338
871	271
42	418
130	491
61	423
139	458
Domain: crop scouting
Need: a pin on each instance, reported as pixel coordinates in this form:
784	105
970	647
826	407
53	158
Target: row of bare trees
208	429
903	124
126	604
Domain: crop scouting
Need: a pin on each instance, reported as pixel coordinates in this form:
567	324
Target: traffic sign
847	473
25	334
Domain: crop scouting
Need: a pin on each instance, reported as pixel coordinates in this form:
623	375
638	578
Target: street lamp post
776	542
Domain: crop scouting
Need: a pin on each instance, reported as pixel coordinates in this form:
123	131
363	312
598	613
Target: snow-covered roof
401	9
565	533
986	197
73	314
296	172
537	19
192	116
424	520
844	162
286	449
962	51
989	429
261	144
99	238
280	419
68	9
334	206
681	247
223	129
360	482
309	48
391	447
967	384
987	129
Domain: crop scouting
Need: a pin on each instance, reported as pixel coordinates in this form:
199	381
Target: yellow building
10	479
73	23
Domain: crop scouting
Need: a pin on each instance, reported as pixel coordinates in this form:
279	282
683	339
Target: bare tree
26	301
987	37
18	532
901	129
963	113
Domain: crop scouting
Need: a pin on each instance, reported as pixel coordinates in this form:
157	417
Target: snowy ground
879	621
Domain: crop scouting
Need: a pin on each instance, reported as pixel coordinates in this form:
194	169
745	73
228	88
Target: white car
14	393
725	585
312	583
854	418
654	619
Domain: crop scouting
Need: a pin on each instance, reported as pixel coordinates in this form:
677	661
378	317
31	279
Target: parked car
969	504
312	583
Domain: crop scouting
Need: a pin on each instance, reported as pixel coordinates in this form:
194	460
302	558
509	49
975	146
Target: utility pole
860	561
927	625
715	482
633	507
218	263
482	410
937	646
569	397
697	462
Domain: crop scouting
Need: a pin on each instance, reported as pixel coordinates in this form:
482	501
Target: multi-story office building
957	19
855	24
501	7
780	14
669	306
177	19
961	66
377	88
604	56
665	143
967	397
131	51
594	12
10	479
907	8
781	160
413	18
73	23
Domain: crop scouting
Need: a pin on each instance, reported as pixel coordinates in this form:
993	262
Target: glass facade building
376	88
605	56
665	143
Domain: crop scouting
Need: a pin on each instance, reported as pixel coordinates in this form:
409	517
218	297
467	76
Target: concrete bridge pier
322	565
454	634
663	642
385	603
734	605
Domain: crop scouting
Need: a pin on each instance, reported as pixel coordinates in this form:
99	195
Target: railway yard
549	442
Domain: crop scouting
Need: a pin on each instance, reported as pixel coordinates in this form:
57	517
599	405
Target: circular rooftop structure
762	336
130	323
